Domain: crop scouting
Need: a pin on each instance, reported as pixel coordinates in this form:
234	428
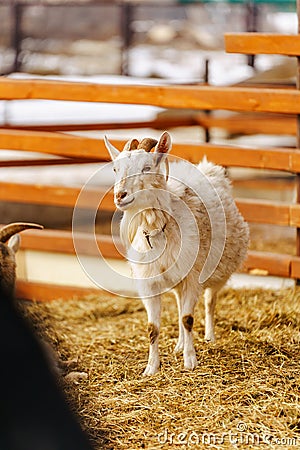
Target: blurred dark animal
9	245
34	414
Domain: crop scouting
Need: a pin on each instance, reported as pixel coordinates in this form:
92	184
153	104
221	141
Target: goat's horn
13	228
131	145
147	144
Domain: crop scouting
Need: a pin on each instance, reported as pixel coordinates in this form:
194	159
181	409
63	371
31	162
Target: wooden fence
74	149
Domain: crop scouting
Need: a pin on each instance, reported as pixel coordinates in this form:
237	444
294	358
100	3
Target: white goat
9	245
183	234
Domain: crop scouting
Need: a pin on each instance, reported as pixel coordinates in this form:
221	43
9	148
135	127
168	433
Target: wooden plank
62	242
53	143
257	211
44	162
274	213
249	123
281	84
175	96
54	195
274	264
230	156
27	290
275	184
262	43
94	149
241	123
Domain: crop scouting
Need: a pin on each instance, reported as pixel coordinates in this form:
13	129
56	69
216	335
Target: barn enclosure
245	391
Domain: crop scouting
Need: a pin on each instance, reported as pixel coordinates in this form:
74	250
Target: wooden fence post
298	139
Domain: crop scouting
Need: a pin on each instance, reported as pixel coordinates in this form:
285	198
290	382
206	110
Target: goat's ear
14	243
163	147
113	151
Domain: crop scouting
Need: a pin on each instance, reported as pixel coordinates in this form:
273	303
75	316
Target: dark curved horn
147	144
131	145
13	228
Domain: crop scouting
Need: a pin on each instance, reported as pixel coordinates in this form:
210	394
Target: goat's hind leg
210	298
187	317
180	343
153	308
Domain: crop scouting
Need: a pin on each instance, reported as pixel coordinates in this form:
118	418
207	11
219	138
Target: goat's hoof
209	339
190	361
150	370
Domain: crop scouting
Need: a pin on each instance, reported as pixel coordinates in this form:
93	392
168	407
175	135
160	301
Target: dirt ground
243	394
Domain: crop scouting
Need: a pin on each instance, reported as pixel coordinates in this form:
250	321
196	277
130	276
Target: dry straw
245	389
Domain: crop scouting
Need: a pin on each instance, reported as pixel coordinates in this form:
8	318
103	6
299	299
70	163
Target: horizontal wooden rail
62	242
30	290
279	265
275	213
275	184
257	211
92	149
230	156
262	43
44	162
65	145
193	97
55	195
274	263
250	123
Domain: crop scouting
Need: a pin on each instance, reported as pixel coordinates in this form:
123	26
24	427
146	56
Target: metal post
207	112
17	34
126	33
251	24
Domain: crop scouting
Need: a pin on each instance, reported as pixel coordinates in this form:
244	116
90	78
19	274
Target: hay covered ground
244	393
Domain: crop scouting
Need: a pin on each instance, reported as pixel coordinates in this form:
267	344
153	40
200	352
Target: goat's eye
146	169
114	169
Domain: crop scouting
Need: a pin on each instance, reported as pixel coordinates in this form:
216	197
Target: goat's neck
149	218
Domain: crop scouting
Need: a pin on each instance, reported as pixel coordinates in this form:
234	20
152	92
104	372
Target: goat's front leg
153	308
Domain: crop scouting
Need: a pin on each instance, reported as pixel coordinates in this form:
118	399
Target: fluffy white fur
183	234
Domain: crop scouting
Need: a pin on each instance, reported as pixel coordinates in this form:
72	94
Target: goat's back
224	235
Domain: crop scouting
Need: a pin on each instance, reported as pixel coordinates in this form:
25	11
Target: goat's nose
121	195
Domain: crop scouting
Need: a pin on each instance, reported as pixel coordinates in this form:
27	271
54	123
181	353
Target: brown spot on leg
153	332
188	322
